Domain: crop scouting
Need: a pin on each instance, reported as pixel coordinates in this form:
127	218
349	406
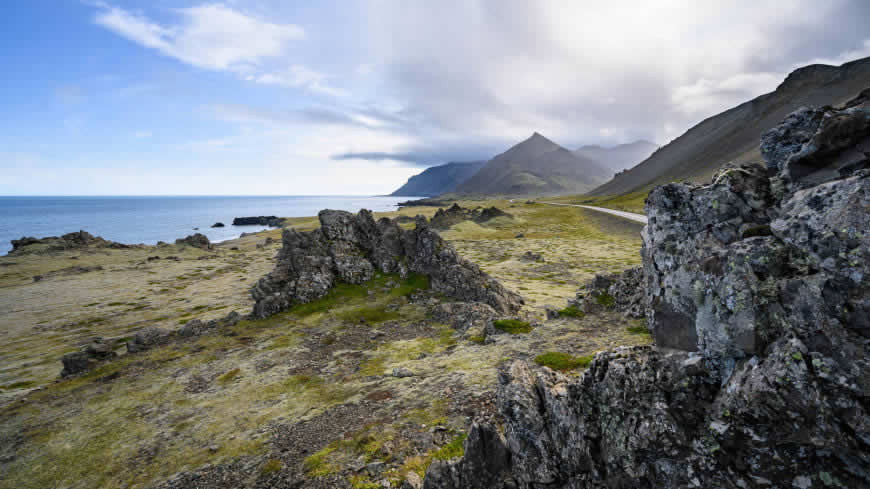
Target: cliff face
759	286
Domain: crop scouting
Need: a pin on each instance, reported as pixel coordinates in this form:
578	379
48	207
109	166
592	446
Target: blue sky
353	97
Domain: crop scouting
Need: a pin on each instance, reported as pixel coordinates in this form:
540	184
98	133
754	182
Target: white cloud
300	76
143	134
208	36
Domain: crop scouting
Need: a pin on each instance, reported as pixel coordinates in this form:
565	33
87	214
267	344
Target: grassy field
308	393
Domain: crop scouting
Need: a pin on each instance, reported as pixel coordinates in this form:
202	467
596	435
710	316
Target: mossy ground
314	381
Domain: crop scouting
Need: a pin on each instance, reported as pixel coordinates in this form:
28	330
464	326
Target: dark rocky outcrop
349	248
757	297
444	218
464	315
197	240
150	337
271	221
218	225
97	351
69	241
623	292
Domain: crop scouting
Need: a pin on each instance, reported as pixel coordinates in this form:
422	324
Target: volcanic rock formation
758	286
349	248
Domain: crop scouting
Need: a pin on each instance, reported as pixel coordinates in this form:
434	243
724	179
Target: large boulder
197	240
623	292
350	248
757	296
70	241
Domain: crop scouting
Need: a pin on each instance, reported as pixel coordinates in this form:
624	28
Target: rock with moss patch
197	240
350	248
463	316
759	374
97	351
621	291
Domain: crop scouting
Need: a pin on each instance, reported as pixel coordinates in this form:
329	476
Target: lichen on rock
757	296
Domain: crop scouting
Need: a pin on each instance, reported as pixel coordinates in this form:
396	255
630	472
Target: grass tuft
512	326
562	361
571	312
230	376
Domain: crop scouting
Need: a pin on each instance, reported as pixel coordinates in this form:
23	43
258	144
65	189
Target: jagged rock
197	327
271	221
148	338
197	240
455	214
486	464
621	291
69	241
95	352
757	286
349	248
217	225
464	315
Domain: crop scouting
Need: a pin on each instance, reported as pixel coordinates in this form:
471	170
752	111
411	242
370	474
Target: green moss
413	283
479	339
797	356
228	377
363	482
642	330
562	361
368	314
606	300
454	449
317	465
571	312
512	326
271	466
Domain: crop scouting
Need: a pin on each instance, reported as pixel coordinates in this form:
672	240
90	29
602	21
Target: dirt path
626	215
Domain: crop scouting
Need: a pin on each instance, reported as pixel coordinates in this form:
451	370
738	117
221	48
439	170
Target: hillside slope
535	166
733	135
619	157
437	180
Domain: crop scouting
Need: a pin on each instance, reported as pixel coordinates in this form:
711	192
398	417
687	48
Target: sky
352	97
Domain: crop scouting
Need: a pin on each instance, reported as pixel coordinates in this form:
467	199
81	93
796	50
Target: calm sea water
151	219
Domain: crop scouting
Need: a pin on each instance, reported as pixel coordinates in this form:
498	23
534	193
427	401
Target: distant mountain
619	157
734	135
535	166
437	180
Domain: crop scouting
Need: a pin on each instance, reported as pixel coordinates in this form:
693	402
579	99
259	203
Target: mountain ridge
536	165
733	135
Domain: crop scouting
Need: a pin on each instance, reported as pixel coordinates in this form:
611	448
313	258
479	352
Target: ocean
147	220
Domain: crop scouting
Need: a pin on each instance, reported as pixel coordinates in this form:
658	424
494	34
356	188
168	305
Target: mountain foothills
437	180
733	135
